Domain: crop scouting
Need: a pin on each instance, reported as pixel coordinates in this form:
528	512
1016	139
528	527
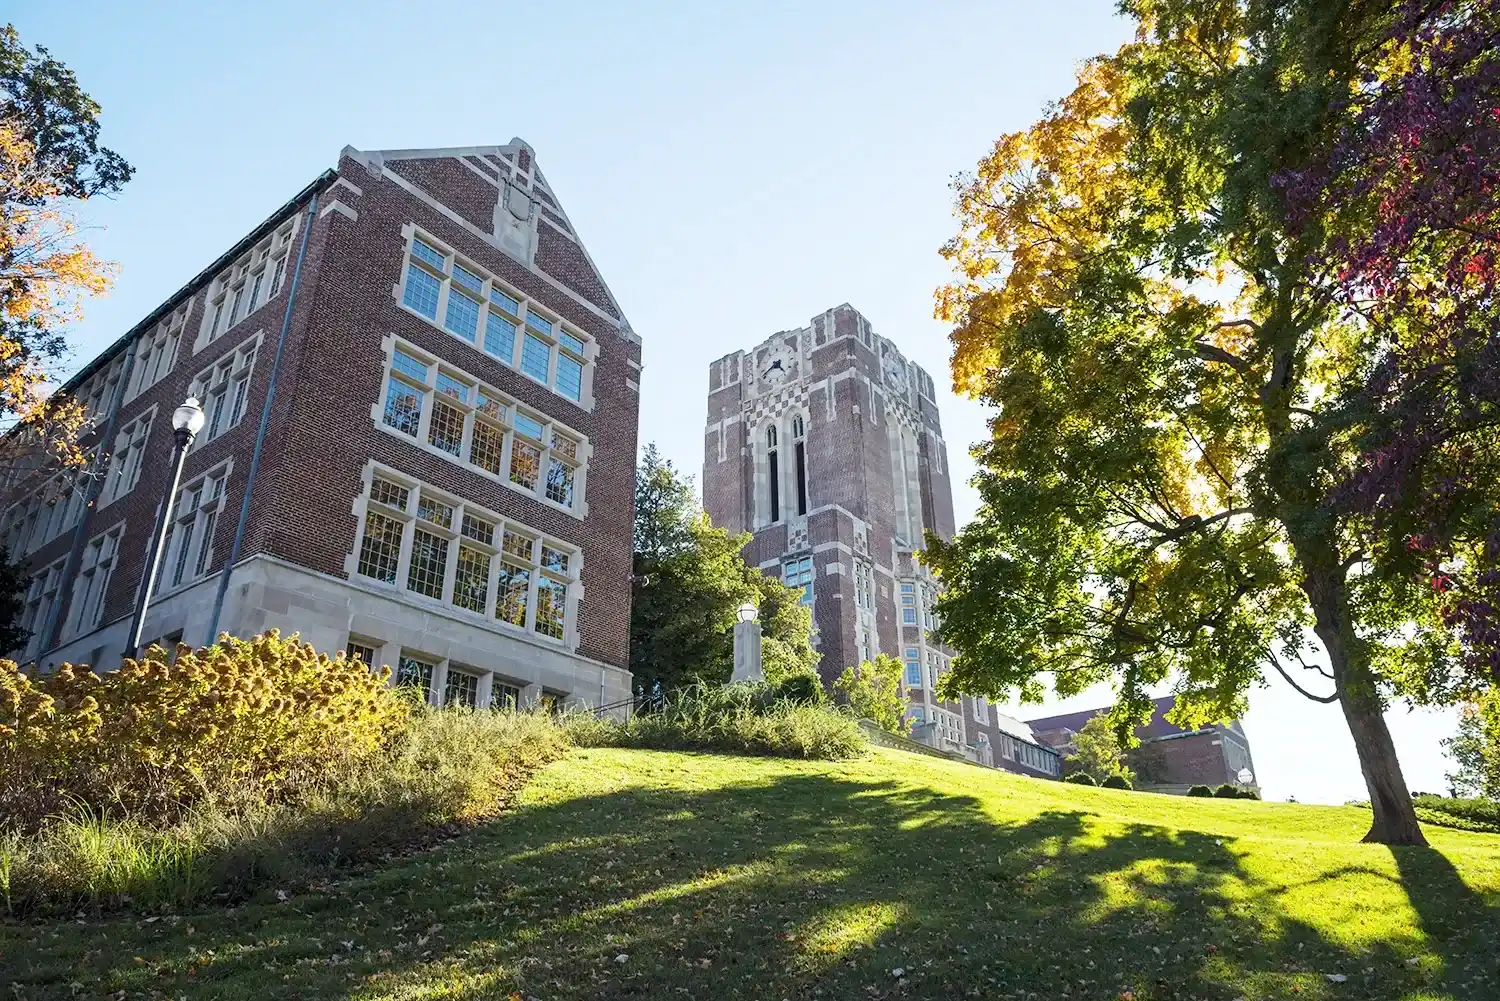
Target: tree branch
1212	352
1276	663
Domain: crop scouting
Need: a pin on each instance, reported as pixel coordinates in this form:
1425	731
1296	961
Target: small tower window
800	449
774	469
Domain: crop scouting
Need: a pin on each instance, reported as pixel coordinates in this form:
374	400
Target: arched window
775	474
799	430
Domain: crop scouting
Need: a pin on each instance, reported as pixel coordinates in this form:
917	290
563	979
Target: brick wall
321	434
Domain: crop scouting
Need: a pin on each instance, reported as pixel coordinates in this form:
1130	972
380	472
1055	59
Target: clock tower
824	442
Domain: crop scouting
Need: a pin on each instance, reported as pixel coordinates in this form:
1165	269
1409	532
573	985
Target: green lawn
643	874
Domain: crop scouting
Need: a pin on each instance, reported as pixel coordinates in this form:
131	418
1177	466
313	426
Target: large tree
1153	288
50	160
690	580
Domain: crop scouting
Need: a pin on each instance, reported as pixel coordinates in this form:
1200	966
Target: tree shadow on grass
805	886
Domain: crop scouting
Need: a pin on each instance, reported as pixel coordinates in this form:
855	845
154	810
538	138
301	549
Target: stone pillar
747	664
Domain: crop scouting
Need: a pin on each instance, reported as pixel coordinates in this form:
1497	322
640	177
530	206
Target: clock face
895	372
778	370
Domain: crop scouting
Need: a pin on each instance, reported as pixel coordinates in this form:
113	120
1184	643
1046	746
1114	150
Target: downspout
260	436
96	487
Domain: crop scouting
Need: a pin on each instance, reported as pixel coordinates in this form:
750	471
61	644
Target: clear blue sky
733	169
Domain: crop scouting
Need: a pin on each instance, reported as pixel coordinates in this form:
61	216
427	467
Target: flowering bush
266	715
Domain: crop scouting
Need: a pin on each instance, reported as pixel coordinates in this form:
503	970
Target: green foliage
734	719
1472	814
1080	778
1116	781
1475	749
50	163
40	98
689	583
443	770
1227	791
14	580
803	689
1179	392
872	691
1200	791
1098	751
154	737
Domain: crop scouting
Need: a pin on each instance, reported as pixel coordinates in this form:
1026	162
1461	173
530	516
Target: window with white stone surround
249	283
189	552
125	460
451	413
448	550
476	307
981	710
913	667
223	389
89	587
156	351
41	599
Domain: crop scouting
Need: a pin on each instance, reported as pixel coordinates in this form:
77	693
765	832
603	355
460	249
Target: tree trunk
1395	819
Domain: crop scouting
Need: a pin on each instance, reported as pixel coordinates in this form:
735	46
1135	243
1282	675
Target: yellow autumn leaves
264	715
1037	207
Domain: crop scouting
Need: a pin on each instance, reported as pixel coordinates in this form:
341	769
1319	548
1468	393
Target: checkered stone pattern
855	391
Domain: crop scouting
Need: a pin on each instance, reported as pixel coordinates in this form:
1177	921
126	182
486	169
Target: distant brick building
1169	758
445	473
825	443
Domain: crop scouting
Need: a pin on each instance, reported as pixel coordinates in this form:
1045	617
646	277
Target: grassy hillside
646	874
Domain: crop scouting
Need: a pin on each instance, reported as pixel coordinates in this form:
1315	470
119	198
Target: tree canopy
50	159
872	691
1167	292
690	580
1098	751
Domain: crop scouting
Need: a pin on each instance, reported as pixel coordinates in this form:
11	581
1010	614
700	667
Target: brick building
421	403
825	443
1169	758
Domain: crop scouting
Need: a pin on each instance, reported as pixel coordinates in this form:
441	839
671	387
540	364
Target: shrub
1200	791
1485	811
1482	815
1081	778
1227	791
1116	781
152	738
736	719
802	689
444	770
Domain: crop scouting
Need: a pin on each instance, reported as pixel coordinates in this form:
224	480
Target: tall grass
445	770
734	719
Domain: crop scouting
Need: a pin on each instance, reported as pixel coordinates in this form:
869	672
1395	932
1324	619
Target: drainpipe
260	435
95	487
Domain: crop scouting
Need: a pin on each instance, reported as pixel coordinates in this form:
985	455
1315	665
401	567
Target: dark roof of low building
1157	727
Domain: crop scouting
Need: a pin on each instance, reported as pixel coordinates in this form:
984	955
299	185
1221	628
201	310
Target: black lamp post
187	421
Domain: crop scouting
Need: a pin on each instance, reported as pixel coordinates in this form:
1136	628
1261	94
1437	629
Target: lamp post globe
189	418
187	421
747	611
1246	776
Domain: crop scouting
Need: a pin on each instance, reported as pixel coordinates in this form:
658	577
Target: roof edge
202	278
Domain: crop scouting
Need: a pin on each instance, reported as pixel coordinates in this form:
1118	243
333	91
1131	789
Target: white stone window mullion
408	534
455	538
429	397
